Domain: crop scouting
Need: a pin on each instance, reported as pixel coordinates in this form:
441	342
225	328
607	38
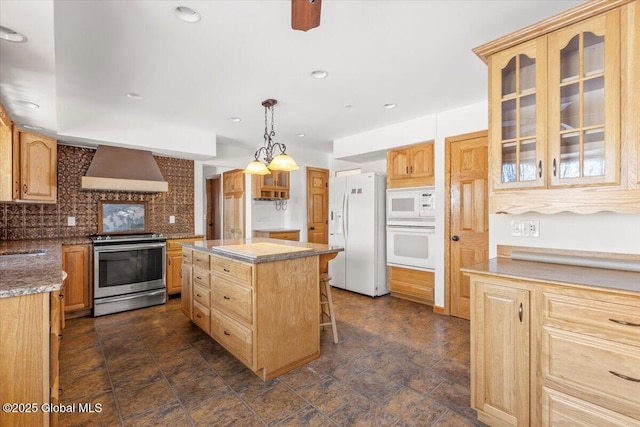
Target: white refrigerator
357	222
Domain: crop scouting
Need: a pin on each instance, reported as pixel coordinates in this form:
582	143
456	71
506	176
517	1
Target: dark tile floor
397	364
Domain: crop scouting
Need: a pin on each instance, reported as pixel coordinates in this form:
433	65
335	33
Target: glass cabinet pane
594	102
527	74
509	162
528	168
268	180
570	155
593	54
570	60
527	116
570	106
594	152
509	119
509	78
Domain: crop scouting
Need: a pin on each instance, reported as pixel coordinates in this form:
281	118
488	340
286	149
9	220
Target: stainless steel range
128	272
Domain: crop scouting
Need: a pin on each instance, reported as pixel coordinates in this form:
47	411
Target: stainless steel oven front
128	276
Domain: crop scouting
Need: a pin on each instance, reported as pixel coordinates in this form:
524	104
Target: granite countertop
229	248
33	266
275	230
568	275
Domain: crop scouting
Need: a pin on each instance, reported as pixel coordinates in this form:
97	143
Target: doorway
317	205
466	215
214	212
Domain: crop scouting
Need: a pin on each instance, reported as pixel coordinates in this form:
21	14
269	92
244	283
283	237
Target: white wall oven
411	228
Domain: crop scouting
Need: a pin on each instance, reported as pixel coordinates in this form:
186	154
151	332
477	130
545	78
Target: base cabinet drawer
201	317
415	285
201	296
604	372
559	409
233	336
226	268
232	299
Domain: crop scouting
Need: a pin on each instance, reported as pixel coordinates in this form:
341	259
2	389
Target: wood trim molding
504	251
555	22
440	310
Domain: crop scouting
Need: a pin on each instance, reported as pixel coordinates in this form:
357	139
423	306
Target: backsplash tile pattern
35	221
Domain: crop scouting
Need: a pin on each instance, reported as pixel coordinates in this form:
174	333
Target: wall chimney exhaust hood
124	169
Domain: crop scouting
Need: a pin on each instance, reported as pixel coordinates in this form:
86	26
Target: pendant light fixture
282	161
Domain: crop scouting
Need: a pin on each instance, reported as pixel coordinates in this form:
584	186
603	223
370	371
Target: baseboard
439	310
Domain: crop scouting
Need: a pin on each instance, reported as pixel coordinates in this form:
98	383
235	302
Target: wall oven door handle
121	248
411	229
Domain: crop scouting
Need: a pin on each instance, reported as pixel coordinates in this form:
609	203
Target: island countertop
259	249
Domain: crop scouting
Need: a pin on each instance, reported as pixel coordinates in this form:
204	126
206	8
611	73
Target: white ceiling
81	57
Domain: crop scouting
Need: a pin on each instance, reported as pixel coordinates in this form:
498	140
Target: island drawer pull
61	296
198	316
226	270
226	297
625	323
227	333
624	377
198	277
59	336
199	296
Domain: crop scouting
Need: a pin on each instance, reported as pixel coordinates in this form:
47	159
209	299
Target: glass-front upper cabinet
584	102
518	114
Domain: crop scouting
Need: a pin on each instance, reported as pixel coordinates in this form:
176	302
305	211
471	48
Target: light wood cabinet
76	262
265	314
551	353
293	235
30	332
186	296
28	164
560	97
233	205
500	353
410	166
233	182
174	264
274	186
414	285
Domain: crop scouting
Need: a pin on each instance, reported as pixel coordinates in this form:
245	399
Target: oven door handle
412	228
120	248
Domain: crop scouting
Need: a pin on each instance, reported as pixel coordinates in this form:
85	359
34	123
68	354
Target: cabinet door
584	102
500	352
187	290
38	166
76	261
281	180
398	162
518	114
422	162
174	268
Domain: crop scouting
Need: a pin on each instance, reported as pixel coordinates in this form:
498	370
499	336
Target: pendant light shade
282	161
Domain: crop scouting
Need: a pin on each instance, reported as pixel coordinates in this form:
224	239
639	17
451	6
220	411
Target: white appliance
411	228
357	222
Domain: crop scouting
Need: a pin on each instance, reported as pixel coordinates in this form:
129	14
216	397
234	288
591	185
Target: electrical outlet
71	221
172	219
516	228
533	228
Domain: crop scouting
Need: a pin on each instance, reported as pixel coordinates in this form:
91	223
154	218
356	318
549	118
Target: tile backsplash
37	220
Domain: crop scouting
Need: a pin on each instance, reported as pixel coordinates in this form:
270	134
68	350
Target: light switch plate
71	221
172	219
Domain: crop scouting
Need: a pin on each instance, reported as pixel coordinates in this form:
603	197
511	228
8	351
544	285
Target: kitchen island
259	298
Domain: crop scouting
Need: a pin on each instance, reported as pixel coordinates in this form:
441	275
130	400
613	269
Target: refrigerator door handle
345	213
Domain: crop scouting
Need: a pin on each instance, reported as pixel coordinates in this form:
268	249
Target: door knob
312	228
455	238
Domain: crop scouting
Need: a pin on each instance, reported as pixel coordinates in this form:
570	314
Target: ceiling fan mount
305	14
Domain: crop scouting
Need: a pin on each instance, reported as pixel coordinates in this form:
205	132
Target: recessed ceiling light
235	119
187	14
26	104
32	127
319	74
389	106
133	95
347	105
301	135
11	36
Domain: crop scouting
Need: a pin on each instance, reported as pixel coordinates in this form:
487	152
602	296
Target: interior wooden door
317	205
469	232
214	213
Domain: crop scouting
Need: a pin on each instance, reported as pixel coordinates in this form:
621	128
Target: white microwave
411	203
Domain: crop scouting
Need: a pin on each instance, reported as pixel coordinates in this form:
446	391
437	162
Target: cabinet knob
455	238
24	187
312	228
